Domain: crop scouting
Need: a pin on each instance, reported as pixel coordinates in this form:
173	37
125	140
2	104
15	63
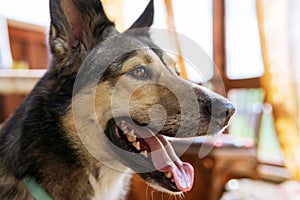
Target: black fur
32	142
145	20
85	47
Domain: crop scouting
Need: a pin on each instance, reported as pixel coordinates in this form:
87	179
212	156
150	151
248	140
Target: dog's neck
96	182
65	175
107	184
112	184
35	190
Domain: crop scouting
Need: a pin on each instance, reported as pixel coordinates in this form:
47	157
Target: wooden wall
28	43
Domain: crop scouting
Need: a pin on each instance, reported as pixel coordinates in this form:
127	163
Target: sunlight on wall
29	11
5	55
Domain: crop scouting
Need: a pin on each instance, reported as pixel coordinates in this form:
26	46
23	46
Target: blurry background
255	47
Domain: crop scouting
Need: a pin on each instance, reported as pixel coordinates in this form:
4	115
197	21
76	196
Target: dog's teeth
168	174
131	132
144	153
123	127
172	180
131	138
137	145
119	123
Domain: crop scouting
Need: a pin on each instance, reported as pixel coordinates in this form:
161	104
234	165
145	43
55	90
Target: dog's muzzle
154	155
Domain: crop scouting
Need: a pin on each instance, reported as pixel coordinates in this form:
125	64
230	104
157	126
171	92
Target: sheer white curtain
279	30
294	28
5	55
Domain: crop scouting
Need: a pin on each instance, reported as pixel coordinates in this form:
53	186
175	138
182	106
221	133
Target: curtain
277	24
171	26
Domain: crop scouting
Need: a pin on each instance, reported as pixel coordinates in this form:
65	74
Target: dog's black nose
214	106
223	110
220	109
230	109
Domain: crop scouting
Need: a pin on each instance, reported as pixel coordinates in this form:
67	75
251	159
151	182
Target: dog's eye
139	72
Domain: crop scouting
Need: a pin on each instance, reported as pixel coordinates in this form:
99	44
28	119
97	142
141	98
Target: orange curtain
171	26
279	81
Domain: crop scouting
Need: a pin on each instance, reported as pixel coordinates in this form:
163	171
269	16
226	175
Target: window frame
219	53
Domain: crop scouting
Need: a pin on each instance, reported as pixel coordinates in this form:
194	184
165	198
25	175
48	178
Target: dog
105	108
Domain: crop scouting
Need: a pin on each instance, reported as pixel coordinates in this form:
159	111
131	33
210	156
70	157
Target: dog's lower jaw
161	189
112	184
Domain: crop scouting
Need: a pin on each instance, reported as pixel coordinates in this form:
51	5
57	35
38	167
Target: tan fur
85	123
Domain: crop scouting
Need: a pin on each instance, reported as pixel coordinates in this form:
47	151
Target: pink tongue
165	159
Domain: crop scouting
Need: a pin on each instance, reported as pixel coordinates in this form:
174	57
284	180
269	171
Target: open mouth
154	158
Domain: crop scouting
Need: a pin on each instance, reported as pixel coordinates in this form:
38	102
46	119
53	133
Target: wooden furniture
28	43
227	158
15	85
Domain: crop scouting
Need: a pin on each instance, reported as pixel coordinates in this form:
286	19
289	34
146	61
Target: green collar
36	191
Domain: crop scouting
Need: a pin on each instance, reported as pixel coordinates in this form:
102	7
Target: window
239	58
254	119
243	52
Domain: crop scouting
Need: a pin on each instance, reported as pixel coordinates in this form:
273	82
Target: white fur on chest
112	184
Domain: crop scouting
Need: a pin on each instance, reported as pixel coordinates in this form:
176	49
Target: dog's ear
145	20
76	26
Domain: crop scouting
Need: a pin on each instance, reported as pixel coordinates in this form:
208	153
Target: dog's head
128	93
